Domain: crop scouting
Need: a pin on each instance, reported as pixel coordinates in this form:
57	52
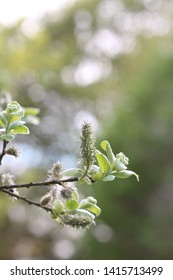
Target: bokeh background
109	62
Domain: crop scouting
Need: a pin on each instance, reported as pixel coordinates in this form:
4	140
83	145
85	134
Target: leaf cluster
92	167
107	167
74	212
62	200
13	119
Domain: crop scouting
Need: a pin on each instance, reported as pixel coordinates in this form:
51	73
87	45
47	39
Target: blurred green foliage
112	62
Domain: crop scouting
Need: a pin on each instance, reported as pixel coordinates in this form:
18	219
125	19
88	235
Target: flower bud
45	199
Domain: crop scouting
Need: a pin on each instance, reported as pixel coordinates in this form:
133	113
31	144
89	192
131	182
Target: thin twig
30	202
39	184
3	150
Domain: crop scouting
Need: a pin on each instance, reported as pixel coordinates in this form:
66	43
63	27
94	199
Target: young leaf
15	124
87	180
126	174
94	169
81	181
104	145
118	165
14	118
32	119
103	162
58	208
107	147
93	208
98	176
22	129
91	199
31	115
7	137
4	118
32	111
3	121
89	204
122	158
109	178
15	109
72	204
76	195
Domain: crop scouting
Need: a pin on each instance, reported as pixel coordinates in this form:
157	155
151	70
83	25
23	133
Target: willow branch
30	202
9	189
39	184
3	150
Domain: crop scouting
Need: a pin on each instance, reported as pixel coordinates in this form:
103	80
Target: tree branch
3	150
39	184
30	202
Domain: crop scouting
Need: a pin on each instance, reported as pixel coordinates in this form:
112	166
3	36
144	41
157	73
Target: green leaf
103	162
22	129
58	208
18	114
14	118
107	147
32	119
89	204
123	158
58	219
91	199
109	178
118	162
71	172
126	174
93	208
81	181
3	119
94	169
32	111
75	195
98	176
118	165
1	123
15	124
96	173
7	137
72	204
15	109
104	144
87	180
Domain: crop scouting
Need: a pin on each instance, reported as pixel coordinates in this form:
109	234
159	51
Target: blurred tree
109	62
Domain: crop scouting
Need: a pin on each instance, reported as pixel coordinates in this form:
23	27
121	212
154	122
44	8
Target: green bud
123	158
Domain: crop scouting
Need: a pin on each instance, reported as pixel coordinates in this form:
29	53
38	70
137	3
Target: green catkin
87	148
